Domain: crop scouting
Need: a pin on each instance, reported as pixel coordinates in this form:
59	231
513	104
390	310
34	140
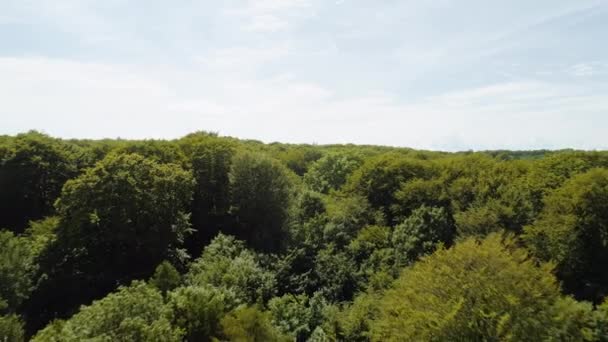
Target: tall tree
260	197
572	230
33	169
211	159
485	290
118	221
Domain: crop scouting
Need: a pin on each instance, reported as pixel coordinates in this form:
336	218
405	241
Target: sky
433	74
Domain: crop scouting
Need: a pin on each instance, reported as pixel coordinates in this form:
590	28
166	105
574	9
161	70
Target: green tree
330	172
260	196
291	314
374	255
379	179
134	313
32	171
485	290
573	321
355	320
118	221
572	230
420	234
197	310
211	159
11	329
17	269
165	277
334	271
249	324
227	264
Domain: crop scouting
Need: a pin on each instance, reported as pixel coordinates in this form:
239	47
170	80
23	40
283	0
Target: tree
134	313
32	172
291	315
379	178
421	233
373	253
355	320
334	272
17	269
211	159
249	324
485	290
165	277
572	230
197	310
118	221
226	264
260	198
330	172
11	328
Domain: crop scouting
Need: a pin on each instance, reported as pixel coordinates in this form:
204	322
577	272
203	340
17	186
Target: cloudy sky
436	74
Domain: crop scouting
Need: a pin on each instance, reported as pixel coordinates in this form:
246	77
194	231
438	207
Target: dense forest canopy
210	238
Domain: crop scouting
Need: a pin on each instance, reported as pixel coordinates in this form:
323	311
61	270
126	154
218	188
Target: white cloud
239	59
270	15
75	99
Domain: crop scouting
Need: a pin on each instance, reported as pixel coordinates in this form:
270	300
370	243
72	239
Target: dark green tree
118	221
32	171
379	179
260	197
211	159
420	234
197	310
572	230
133	313
165	277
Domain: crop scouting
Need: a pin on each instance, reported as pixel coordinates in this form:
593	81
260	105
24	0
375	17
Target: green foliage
297	315
17	269
260	196
330	172
334	271
134	313
33	169
420	234
330	229
291	315
348	215
129	206
379	178
11	329
211	158
118	221
572	230
164	152
572	321
308	205
249	324
353	323
601	321
226	264
475	291
374	255
197	310
417	192
165	277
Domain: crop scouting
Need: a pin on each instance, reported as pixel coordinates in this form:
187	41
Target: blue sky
442	74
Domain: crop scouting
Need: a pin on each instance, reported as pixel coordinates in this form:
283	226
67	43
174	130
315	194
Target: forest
212	238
